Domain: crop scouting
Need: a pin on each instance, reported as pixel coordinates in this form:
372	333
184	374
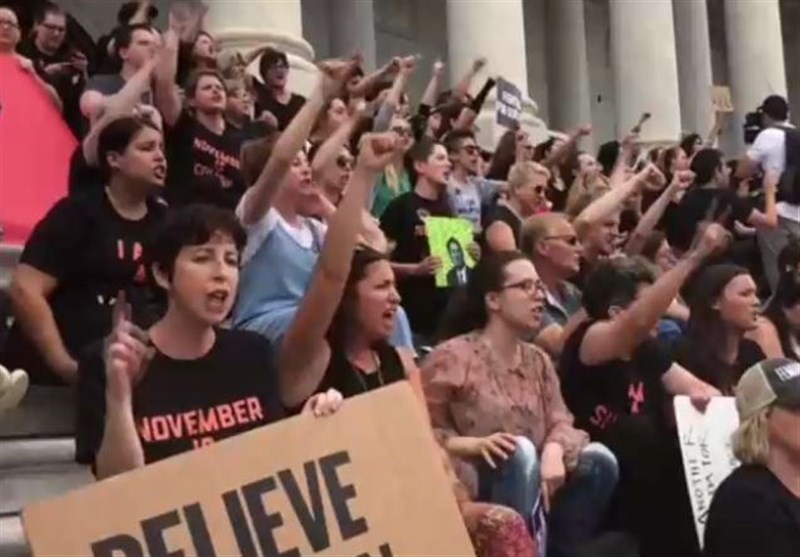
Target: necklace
359	373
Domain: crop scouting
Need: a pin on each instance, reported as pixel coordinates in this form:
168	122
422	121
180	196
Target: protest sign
705	440
36	146
364	482
448	239
509	104
721	98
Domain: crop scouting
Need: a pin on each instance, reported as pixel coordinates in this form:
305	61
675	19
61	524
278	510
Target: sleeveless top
274	279
350	381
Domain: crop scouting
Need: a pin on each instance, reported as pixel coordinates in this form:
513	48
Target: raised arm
611	202
461	90
305	353
166	93
390	104
560	154
653	215
609	340
371	82
259	198
116	106
330	149
435	83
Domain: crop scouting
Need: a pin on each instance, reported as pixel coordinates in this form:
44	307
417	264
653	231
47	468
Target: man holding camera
776	150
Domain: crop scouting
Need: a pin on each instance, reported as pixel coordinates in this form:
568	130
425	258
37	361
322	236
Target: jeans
579	506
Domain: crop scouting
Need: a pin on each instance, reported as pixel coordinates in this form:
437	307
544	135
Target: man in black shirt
710	198
756	510
57	63
403	222
273	94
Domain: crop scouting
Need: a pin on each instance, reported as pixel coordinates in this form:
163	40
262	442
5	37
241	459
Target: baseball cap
771	382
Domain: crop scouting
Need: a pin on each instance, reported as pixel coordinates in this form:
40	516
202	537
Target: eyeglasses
54	28
470	149
9	24
402	131
345	163
568	238
528	286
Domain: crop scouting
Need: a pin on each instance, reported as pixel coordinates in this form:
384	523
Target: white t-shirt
258	232
769	150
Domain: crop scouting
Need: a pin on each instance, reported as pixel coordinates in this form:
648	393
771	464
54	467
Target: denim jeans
578	507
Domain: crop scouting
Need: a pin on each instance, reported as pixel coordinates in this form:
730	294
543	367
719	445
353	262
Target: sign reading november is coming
364	482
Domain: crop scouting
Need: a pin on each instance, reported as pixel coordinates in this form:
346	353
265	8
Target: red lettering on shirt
636	396
201	423
602	417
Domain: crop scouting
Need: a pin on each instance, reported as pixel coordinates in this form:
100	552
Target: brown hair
254	156
196	76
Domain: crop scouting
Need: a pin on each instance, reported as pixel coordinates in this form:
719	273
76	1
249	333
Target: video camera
752	126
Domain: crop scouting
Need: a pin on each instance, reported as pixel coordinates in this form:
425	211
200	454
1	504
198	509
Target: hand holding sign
128	353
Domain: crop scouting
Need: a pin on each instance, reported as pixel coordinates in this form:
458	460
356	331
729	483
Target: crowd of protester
227	242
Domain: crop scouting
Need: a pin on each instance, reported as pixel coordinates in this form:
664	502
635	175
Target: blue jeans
578	507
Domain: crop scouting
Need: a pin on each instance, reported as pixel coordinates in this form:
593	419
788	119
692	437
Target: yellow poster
448	239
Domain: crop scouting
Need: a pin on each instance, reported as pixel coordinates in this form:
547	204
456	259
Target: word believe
252	518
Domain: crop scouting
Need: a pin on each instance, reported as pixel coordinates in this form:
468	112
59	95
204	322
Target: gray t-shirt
111	84
558	311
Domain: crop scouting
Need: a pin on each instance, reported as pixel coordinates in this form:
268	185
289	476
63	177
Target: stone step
44	412
12	538
35	470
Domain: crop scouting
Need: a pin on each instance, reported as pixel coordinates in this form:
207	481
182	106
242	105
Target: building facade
600	61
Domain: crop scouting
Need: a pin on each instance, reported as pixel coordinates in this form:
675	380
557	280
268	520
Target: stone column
494	30
353	29
645	68
244	24
694	65
755	55
567	68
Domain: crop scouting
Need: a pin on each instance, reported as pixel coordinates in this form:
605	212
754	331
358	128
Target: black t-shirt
68	84
180	405
753	515
203	166
695	207
83	176
93	253
502	213
691	354
282	112
603	397
403	223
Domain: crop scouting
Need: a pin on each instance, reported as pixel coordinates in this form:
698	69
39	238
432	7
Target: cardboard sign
364	482
721	98
509	104
705	440
36	145
448	239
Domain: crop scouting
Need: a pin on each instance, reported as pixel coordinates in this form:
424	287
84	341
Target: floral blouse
469	395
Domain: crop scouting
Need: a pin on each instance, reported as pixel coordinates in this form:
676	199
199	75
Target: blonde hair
582	195
751	439
536	228
523	173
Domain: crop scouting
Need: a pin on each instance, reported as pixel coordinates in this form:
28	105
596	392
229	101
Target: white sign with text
705	440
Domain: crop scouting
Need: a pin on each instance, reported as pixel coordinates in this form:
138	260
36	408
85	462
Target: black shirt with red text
204	166
93	253
181	405
601	396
